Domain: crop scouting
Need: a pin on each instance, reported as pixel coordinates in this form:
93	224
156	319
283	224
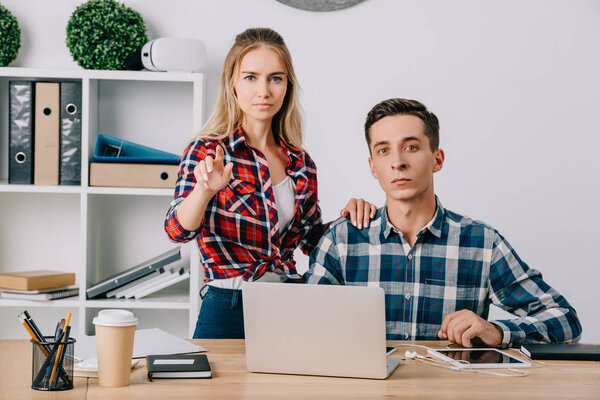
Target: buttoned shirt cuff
176	232
513	335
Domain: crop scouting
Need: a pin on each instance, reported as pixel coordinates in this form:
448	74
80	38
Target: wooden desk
231	380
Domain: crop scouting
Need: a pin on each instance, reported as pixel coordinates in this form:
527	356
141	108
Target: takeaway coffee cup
115	331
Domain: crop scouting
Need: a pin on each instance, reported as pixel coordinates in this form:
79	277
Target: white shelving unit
99	231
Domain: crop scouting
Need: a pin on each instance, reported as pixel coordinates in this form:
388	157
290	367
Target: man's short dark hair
397	106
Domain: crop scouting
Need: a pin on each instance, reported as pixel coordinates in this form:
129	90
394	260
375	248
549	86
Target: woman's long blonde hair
227	116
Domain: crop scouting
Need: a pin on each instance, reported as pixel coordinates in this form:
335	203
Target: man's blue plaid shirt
456	263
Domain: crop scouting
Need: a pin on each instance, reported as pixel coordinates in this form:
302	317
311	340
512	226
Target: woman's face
260	84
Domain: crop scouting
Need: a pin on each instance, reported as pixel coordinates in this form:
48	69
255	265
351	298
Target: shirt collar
236	139
386	226
290	151
434	226
437	222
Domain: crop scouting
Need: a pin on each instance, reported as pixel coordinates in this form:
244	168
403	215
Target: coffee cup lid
115	318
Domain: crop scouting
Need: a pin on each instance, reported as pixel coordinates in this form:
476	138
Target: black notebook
178	366
579	352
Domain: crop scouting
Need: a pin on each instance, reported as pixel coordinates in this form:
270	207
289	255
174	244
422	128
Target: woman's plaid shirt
239	234
456	263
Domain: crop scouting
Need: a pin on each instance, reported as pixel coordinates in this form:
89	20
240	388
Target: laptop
316	330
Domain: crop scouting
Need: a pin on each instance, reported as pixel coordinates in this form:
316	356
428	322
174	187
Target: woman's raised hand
211	176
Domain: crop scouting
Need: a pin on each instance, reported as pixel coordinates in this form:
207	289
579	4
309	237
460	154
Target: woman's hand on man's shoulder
359	211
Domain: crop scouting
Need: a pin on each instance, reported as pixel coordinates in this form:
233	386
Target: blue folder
112	149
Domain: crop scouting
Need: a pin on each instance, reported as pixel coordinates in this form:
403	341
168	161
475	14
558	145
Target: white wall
514	84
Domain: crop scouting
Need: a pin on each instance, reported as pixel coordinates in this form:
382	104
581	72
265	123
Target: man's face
401	159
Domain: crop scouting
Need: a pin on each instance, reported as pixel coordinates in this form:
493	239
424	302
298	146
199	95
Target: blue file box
112	149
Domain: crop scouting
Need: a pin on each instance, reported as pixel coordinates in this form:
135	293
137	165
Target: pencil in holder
52	364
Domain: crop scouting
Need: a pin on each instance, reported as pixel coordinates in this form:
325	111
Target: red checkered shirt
239	234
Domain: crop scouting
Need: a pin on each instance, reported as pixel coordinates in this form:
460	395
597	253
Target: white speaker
170	54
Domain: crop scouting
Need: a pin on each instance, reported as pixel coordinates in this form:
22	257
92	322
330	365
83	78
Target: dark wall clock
320	5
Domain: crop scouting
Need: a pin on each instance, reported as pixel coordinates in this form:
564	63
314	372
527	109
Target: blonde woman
246	190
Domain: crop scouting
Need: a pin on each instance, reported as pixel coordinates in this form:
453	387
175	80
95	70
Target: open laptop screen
315	329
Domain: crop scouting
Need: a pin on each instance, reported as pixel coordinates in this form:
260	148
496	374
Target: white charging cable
414	356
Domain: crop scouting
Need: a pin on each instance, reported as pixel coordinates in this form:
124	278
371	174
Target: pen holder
52	364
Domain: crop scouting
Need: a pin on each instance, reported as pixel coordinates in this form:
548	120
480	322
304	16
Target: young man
440	270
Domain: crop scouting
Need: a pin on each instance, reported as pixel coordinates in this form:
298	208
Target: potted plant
102	33
10	37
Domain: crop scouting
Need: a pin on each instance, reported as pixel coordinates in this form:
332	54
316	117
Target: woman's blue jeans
221	314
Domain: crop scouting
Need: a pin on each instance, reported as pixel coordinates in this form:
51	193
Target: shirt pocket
240	197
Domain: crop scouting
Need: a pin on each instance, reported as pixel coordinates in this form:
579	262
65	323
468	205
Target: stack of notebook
143	279
37	285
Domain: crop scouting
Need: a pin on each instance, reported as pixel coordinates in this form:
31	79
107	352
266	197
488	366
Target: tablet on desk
479	358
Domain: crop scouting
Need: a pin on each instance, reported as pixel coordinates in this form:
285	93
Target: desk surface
231	380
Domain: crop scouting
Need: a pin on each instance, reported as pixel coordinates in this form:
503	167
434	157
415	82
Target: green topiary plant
101	33
10	37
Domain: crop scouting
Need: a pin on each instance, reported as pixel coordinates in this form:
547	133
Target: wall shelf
99	231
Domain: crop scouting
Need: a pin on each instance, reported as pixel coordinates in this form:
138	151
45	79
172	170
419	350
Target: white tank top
285	197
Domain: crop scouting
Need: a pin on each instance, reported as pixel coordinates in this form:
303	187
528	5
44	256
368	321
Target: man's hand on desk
462	327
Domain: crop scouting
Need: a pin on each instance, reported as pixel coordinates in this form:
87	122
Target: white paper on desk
147	341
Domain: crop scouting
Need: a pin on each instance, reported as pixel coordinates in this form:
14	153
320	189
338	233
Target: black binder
20	168
70	133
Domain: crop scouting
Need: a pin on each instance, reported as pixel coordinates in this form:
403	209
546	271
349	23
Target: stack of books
143	279
37	285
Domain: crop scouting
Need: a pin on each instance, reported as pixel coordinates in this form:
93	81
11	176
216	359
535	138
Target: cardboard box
133	175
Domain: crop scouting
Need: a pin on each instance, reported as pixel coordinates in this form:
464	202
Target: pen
59	327
38	336
33	326
31	333
60	346
60	355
